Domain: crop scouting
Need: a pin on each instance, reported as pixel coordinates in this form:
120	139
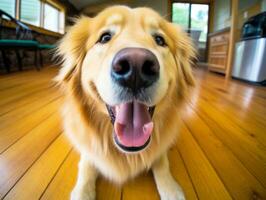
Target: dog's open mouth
133	125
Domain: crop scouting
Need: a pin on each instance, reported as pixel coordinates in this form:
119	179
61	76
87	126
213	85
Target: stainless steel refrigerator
250	52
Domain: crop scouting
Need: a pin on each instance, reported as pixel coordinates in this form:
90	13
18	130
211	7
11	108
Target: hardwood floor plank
254	131
41	172
246	148
225	92
107	190
27	80
180	174
246	93
12	117
13	80
143	187
248	124
22	94
238	180
11	134
18	82
42	95
67	175
232	86
23	89
19	157
205	179
245	119
240	103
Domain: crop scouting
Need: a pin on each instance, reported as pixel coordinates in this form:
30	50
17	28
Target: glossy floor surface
220	154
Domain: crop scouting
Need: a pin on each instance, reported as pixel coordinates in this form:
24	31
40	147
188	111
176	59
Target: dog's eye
105	37
159	40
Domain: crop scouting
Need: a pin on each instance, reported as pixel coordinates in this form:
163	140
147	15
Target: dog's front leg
166	185
85	186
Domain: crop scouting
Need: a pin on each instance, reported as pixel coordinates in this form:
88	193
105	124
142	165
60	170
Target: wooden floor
220	154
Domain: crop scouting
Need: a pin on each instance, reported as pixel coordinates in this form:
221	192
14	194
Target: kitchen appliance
250	52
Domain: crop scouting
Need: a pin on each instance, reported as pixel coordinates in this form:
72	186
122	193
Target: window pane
51	18
62	22
199	20
30	11
8	6
181	14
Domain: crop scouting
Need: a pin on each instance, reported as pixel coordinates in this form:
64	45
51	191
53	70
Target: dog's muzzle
135	68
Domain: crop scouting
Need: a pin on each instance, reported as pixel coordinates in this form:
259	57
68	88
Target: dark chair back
23	32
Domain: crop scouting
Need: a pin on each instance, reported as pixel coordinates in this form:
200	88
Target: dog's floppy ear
72	48
183	51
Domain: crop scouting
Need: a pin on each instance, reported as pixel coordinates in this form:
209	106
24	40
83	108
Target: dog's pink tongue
133	124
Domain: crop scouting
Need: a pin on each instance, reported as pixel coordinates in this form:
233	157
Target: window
181	14
51	18
62	22
199	20
30	11
8	6
193	18
46	14
54	19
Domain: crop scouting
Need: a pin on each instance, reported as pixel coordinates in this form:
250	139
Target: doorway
194	19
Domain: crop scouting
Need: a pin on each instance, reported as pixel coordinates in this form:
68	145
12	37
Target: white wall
245	4
263	7
221	14
160	6
222	11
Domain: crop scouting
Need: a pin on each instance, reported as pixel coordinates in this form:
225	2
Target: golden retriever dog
125	75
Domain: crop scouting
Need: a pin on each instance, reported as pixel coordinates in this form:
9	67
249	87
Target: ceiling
92	7
79	4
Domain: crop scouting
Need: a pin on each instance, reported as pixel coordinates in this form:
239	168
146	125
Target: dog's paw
79	194
171	192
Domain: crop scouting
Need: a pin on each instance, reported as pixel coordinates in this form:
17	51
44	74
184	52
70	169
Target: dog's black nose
135	68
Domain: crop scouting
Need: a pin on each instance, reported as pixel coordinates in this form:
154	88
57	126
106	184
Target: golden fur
86	121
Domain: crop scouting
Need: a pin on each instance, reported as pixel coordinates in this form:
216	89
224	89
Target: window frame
58	16
19	14
206	2
15	8
41	27
189	11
